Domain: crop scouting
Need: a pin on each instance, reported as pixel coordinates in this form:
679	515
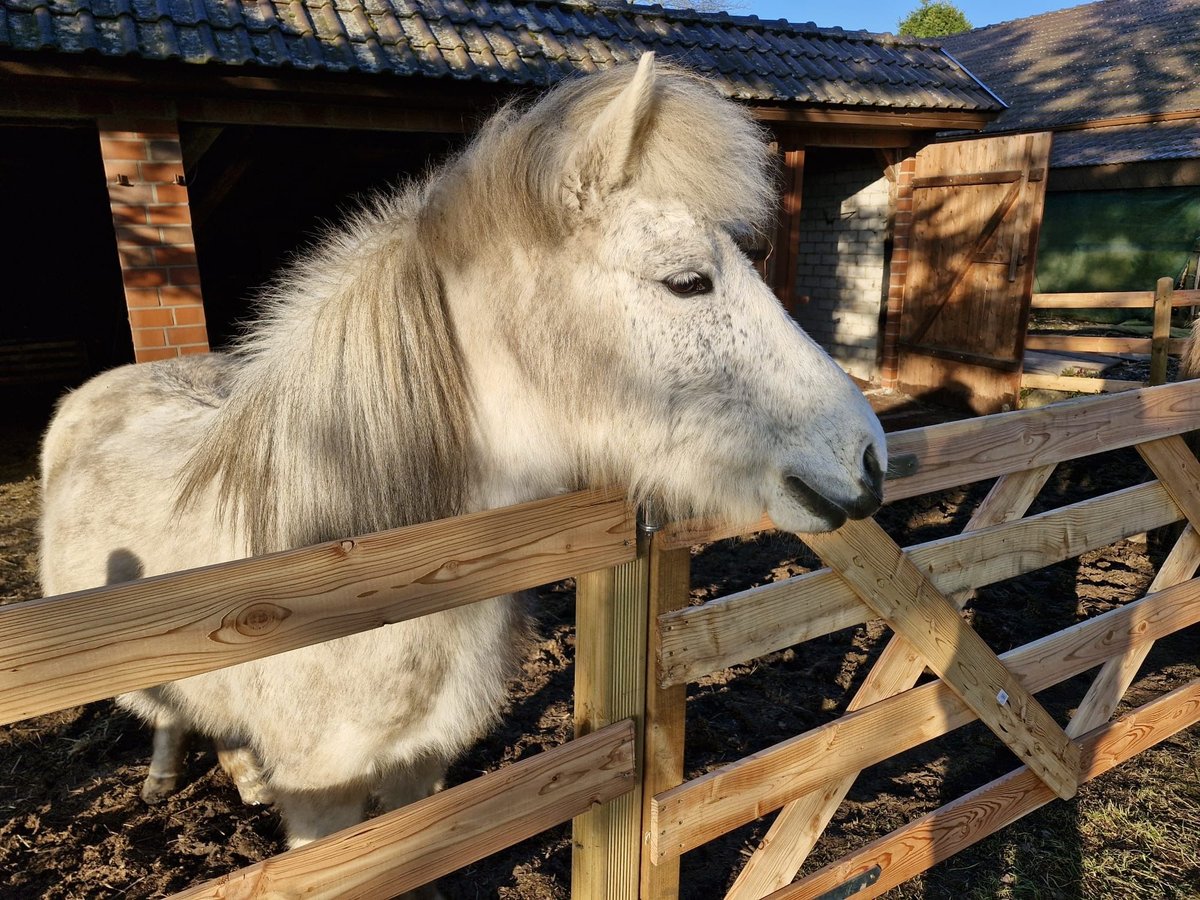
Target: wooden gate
977	209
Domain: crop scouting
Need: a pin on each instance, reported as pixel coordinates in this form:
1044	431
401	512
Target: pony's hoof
255	793
157	788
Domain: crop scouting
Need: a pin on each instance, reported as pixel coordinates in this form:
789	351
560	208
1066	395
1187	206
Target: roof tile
515	41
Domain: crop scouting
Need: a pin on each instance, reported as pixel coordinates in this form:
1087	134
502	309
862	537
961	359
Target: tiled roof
1127	144
1096	61
532	42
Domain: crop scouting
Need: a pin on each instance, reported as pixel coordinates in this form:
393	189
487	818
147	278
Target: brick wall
840	272
144	172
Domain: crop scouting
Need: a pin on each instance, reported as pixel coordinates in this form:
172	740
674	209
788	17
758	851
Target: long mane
350	411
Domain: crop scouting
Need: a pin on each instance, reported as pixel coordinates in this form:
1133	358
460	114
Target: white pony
563	304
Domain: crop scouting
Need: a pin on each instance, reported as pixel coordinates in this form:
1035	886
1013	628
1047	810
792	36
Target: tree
934	19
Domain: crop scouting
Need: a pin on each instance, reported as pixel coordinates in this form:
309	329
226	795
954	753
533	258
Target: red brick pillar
898	272
144	170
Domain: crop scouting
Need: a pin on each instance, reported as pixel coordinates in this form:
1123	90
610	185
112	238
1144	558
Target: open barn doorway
62	306
261	194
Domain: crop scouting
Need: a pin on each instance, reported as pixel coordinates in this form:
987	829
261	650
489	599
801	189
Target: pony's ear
606	156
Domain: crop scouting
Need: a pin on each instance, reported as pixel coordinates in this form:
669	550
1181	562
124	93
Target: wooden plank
610	670
957	453
1178	470
62	651
402	850
801	822
1161	337
740	792
670	586
1007	176
732	629
1094	300
881	574
1078	384
935	837
787	237
1068	343
1115	676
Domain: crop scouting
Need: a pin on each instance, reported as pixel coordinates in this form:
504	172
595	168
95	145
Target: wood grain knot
253	621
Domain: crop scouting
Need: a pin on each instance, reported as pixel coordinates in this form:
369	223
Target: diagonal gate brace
890	583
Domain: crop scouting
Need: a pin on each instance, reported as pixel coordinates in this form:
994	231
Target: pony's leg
309	815
166	760
241	764
411	783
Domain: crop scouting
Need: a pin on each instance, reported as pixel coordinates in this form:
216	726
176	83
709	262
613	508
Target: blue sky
883	15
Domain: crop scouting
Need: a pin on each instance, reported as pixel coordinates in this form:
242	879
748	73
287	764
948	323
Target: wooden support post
889	582
1161	339
787	234
610	672
799	824
670	585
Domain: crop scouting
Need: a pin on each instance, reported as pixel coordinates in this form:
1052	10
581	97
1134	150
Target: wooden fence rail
1163	299
639	643
62	651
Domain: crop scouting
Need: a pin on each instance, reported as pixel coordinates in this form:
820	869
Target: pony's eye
688	284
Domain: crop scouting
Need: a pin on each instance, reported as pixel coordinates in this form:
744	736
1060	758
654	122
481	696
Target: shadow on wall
844	235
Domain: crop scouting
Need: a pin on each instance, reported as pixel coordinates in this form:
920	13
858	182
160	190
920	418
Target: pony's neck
521	448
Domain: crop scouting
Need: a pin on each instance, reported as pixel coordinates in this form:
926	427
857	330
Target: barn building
160	159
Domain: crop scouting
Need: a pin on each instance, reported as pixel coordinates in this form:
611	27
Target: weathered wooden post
1160	340
616	677
670	586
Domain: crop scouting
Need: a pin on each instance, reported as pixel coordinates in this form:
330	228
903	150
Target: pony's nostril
873	470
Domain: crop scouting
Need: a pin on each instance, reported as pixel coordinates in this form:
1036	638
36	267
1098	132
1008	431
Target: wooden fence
639	643
1163	299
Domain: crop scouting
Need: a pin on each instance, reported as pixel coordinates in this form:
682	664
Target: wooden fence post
1161	339
611	608
670	586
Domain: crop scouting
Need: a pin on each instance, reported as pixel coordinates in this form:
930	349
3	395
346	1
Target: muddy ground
72	824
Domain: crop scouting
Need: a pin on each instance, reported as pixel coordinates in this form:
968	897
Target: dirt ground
72	824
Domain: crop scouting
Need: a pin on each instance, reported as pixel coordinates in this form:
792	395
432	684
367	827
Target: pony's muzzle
836	509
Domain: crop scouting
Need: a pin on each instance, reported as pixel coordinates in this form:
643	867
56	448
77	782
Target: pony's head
613	328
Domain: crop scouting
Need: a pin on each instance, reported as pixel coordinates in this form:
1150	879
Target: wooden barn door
977	208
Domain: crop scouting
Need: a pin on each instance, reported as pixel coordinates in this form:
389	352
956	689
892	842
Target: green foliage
934	19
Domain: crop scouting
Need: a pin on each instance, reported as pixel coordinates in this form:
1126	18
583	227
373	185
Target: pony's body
562	305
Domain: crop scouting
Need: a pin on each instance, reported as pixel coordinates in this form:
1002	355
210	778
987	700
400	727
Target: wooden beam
880	573
1094	300
971	450
969	178
62	651
405	849
787	232
801	822
732	629
935	837
1065	343
868	118
1161	338
670	586
742	791
1078	384
610	670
